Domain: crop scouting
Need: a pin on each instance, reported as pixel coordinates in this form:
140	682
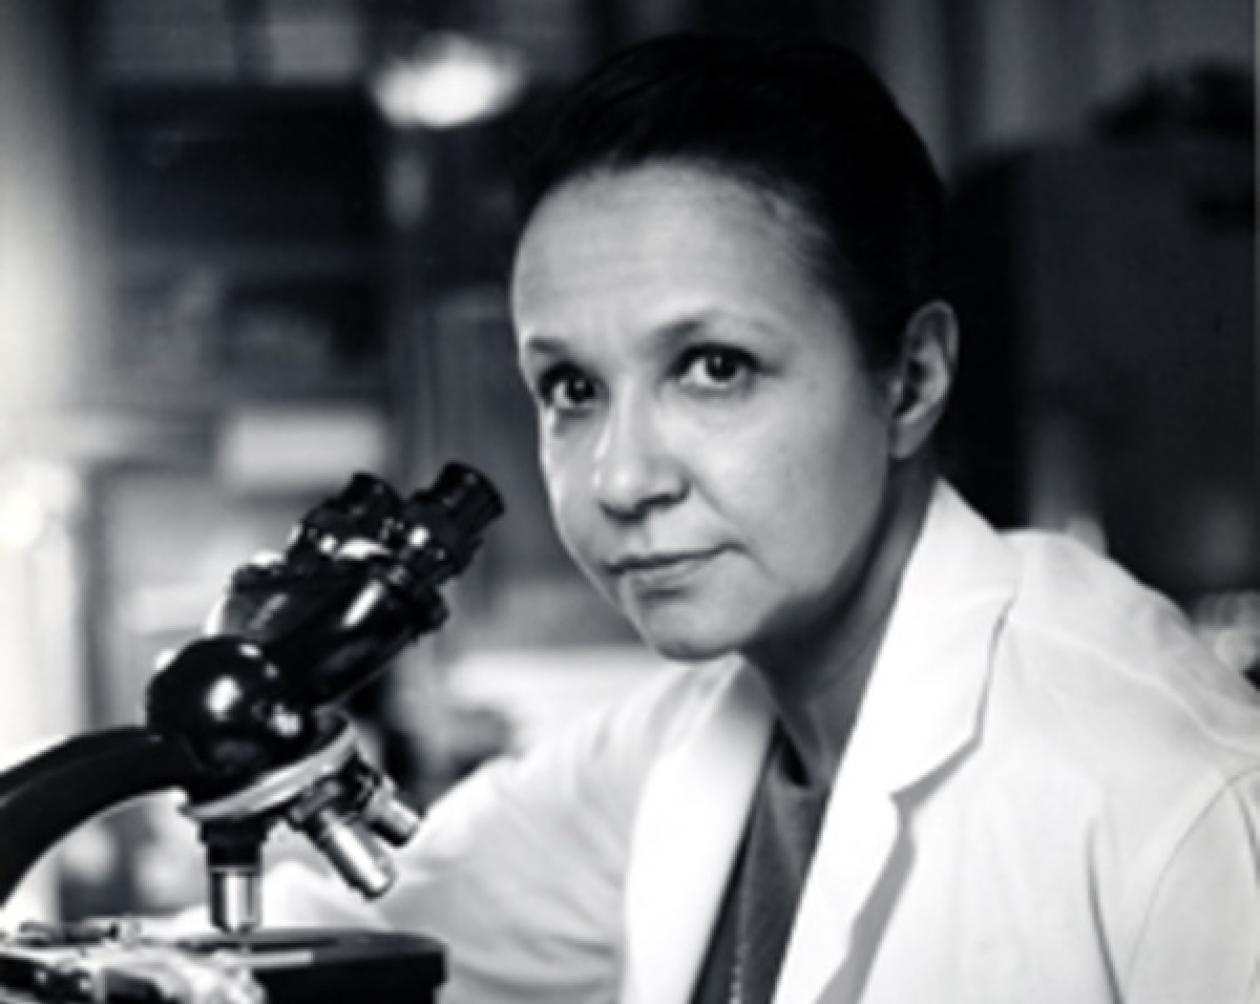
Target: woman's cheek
566	509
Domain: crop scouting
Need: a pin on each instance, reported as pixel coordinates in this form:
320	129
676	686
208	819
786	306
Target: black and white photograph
629	502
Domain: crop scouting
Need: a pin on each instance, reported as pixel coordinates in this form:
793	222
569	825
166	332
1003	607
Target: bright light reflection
22	519
449	81
33	496
223	695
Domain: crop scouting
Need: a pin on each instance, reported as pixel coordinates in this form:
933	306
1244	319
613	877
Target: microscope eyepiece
468	497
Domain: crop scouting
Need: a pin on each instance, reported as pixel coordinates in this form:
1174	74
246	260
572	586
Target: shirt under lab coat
1051	794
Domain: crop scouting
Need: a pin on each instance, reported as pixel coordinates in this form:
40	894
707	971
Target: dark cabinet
1109	359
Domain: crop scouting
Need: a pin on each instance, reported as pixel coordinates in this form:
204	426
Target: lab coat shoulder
571	800
1106	677
1093	835
519	870
1140	747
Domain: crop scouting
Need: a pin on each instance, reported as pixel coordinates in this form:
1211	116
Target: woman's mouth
660	571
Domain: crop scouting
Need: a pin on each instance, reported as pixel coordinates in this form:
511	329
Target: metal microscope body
245	720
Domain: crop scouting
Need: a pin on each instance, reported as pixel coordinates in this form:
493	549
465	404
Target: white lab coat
1051	794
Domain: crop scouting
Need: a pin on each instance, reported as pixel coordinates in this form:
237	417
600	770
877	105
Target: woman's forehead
674	217
650	250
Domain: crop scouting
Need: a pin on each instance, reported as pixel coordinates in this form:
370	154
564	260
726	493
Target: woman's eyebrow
706	324
685	328
678	330
541	348
690	328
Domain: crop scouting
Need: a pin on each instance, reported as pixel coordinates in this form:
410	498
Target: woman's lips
659	571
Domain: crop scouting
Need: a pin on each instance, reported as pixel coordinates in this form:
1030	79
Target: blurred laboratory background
248	247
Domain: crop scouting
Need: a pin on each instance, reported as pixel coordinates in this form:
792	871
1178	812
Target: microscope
245	720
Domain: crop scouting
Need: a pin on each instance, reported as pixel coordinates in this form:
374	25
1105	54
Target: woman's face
715	454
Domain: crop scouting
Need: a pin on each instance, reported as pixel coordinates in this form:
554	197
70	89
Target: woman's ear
920	386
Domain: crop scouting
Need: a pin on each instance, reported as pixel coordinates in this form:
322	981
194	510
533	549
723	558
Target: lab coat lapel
690	822
921	713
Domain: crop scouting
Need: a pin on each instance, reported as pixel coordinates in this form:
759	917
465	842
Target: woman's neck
816	678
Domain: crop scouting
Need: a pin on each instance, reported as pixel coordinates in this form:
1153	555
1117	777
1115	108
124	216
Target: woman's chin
680	640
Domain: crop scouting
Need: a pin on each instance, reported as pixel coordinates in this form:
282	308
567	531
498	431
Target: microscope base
291	966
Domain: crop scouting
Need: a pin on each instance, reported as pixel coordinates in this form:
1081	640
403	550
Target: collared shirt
1051	793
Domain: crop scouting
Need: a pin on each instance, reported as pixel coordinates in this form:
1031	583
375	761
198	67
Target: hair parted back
805	121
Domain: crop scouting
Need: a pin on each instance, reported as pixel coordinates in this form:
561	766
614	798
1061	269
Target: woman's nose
633	470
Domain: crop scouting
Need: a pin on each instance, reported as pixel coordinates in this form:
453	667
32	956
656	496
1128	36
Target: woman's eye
717	368
565	388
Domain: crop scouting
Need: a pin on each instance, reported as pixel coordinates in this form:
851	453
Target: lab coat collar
920	713
690	821
925	694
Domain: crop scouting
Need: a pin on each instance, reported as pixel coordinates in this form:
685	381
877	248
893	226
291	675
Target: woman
913	759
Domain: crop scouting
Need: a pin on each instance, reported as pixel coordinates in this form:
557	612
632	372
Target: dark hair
808	122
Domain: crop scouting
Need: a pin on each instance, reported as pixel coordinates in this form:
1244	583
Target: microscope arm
47	796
